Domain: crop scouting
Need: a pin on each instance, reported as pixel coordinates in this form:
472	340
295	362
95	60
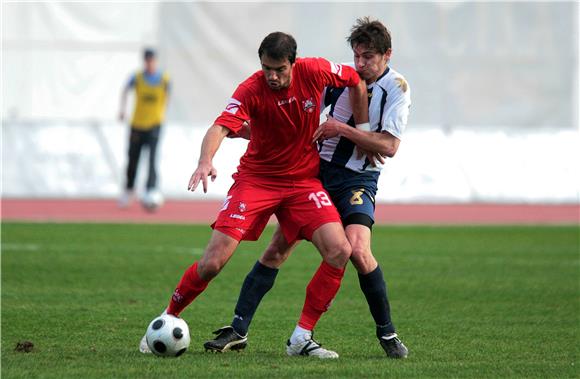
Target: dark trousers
137	140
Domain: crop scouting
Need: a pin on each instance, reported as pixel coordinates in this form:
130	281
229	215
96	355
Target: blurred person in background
151	87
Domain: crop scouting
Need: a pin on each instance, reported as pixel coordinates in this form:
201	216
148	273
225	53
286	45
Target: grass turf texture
467	301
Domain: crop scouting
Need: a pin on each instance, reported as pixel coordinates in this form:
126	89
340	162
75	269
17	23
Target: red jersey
283	121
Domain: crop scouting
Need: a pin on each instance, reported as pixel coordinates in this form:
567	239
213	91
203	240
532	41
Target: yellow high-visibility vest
150	101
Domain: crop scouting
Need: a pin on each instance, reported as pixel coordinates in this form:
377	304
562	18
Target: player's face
278	73
150	65
369	63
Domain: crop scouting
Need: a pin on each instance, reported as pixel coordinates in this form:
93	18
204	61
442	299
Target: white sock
299	334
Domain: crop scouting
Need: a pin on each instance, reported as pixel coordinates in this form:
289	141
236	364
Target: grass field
468	302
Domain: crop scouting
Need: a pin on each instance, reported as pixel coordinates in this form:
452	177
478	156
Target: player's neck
383	73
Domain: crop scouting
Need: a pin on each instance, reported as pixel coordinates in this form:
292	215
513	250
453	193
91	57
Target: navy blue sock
375	290
257	283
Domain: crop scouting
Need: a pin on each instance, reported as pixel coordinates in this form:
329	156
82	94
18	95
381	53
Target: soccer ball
152	200
168	336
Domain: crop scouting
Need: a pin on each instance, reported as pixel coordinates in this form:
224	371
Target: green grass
467	301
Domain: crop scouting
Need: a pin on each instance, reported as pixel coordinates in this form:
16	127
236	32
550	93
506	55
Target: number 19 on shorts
320	199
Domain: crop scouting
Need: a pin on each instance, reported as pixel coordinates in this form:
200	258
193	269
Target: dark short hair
149	53
278	46
370	33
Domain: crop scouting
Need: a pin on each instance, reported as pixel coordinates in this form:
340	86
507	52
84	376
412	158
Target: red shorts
301	207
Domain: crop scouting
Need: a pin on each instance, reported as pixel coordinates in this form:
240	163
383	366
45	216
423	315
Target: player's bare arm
359	102
384	144
210	145
123	105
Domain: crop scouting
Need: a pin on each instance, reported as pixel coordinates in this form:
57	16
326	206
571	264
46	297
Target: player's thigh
247	209
305	208
332	244
278	250
219	250
135	142
356	206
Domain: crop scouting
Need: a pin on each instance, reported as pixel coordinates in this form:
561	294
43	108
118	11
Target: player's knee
211	263
209	268
273	257
338	254
363	259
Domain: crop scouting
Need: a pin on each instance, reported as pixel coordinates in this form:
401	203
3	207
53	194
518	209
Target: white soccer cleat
143	347
125	199
307	346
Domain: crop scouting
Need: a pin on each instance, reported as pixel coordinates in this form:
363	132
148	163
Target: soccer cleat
143	347
226	339
309	347
393	346
125	199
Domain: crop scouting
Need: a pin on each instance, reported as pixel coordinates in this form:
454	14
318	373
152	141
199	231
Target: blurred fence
495	91
432	165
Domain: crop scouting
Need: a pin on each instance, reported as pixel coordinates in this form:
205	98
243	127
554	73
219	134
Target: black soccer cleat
226	339
393	346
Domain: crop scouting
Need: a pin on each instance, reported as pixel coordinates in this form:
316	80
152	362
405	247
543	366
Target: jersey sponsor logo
149	98
286	101
233	106
402	83
336	68
308	105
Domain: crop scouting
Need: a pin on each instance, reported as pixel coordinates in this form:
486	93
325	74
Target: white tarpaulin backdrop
495	91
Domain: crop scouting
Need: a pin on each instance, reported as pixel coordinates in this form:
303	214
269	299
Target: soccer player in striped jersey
351	159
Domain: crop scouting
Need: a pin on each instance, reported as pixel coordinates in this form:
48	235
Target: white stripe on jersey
394	116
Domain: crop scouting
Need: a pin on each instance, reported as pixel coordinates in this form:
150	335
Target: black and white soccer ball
168	336
152	200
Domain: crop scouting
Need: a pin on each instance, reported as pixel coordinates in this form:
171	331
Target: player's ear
388	53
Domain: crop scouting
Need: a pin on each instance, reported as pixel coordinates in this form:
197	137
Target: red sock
319	294
187	290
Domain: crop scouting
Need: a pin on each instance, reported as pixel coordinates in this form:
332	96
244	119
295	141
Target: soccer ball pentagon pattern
168	336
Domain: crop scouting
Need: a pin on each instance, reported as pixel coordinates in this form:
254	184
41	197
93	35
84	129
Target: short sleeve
336	74
397	108
237	110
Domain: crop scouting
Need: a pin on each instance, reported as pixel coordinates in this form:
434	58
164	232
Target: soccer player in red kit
277	174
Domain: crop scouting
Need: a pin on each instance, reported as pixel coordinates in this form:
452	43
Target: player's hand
328	129
200	174
374	158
